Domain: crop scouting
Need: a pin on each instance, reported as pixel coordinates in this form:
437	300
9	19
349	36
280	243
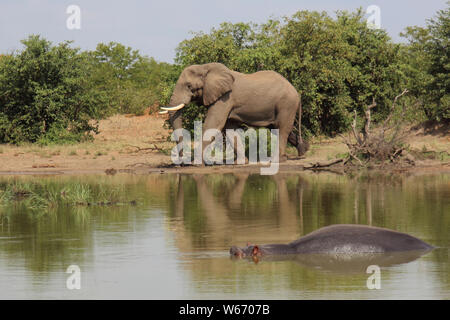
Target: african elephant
261	99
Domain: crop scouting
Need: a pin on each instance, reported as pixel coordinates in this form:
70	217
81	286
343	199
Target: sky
155	28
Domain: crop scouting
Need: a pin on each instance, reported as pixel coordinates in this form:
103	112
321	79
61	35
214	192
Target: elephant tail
296	139
302	145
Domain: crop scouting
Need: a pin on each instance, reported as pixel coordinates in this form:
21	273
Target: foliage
43	90
337	65
129	80
50	93
427	65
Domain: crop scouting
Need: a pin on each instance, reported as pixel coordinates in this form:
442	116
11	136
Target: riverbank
138	144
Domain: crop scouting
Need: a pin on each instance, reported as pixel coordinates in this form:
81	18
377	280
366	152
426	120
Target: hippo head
249	251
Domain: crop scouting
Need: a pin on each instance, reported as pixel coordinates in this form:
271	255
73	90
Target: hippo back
347	238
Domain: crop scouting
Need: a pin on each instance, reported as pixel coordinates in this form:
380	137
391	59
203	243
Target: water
174	243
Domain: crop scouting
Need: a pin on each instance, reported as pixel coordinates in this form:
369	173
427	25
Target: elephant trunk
176	122
176	119
180	98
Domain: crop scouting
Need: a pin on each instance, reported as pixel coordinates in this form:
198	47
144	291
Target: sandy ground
138	144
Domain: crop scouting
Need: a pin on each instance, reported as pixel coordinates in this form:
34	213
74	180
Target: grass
424	154
42	195
44	154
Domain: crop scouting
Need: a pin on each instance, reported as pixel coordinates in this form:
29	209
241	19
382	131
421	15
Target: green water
168	236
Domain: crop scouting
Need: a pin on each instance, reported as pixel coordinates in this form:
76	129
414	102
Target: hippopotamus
339	239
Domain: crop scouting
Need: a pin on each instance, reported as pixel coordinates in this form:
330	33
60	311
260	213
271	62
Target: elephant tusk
163	112
173	108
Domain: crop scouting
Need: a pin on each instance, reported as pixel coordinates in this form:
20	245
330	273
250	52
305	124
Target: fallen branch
323	164
355	157
139	164
154	148
397	152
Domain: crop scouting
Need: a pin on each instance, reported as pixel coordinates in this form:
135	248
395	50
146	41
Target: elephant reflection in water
221	219
233	216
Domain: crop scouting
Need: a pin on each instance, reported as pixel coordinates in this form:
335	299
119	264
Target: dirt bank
138	144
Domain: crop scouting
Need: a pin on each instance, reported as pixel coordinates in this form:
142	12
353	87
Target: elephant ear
218	81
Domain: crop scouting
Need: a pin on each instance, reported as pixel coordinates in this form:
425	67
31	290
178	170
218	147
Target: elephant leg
235	141
216	118
293	139
283	136
284	124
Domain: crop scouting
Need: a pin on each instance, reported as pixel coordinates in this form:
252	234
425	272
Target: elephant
260	99
348	239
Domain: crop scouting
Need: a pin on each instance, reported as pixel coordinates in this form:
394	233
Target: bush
58	134
427	65
43	91
129	80
50	94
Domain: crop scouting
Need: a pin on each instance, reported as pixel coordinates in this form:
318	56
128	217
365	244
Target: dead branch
355	157
367	114
373	146
323	164
405	91
139	164
346	141
357	137
154	148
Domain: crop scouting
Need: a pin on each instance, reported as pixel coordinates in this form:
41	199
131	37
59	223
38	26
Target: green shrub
44	90
129	80
427	65
58	134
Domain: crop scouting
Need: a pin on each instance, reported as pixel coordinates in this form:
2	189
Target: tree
427	65
45	95
130	80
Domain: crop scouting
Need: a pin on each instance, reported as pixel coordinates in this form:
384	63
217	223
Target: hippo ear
255	251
